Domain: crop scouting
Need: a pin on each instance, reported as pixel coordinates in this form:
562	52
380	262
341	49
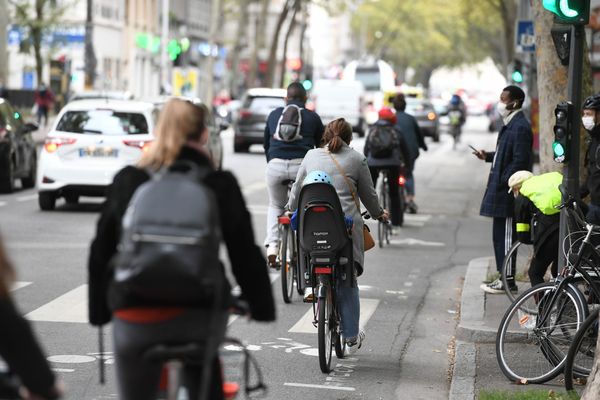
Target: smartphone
474	149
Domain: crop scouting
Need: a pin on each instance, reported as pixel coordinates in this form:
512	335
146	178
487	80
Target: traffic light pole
571	170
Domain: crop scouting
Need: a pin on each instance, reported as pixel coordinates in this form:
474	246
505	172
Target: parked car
101	94
89	142
332	98
250	120
18	156
427	118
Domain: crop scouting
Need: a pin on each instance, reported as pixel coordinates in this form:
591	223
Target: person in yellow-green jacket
537	219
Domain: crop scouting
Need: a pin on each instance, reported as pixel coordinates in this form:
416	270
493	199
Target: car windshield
264	104
414	105
369	77
103	122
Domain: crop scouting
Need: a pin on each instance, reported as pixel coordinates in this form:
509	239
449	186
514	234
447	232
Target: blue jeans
349	308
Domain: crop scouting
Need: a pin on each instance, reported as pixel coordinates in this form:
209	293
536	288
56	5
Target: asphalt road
410	291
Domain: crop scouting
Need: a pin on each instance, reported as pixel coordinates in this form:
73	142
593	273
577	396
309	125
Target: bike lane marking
305	324
70	307
308	385
19	285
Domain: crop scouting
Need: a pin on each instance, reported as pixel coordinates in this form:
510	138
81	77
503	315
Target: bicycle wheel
532	351
402	197
580	358
519	257
287	267
381	228
325	331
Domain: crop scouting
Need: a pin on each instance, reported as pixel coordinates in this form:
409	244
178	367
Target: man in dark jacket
591	121
284	158
397	161
513	153
410	131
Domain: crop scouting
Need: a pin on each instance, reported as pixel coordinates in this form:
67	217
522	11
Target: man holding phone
512	154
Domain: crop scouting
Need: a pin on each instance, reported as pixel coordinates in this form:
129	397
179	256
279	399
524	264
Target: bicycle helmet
455	100
592	102
317	177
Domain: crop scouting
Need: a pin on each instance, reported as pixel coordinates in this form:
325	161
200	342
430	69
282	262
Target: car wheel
47	201
72	198
29	181
7	180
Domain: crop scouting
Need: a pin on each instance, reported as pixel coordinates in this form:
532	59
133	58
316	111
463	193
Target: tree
239	43
37	18
291	27
272	60
3	40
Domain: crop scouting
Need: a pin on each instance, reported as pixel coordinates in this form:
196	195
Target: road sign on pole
525	36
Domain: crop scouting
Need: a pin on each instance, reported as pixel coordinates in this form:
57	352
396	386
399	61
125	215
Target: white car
90	141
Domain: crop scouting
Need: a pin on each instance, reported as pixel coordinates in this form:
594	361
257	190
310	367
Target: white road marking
27	198
304	325
62	369
306	385
71	359
254	187
70	307
48	245
18	285
2	203
408	284
416	242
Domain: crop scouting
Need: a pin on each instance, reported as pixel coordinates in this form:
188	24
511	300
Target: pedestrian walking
180	139
19	347
290	132
409	128
43	98
349	174
512	154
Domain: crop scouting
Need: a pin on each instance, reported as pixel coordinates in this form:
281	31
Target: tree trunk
272	61
36	36
259	42
290	29
3	41
508	12
552	84
240	41
209	90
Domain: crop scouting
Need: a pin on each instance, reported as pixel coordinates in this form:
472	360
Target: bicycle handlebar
366	215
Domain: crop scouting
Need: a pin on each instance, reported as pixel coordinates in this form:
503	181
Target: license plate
98	152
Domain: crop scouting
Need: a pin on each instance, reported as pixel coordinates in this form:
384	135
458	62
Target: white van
334	98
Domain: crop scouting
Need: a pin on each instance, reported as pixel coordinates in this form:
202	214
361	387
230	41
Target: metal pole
164	39
571	170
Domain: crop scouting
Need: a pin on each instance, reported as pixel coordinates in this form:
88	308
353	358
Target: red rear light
323	270
230	390
245	113
401	180
143	145
283	220
52	144
319	209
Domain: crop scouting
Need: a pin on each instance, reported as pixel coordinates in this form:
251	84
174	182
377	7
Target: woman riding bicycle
355	182
180	135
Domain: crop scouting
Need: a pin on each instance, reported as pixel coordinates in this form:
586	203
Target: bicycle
384	228
287	255
455	126
580	358
516	263
541	323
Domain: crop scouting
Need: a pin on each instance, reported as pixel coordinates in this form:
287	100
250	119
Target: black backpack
288	126
382	141
169	248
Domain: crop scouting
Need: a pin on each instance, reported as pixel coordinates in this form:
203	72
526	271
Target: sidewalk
476	366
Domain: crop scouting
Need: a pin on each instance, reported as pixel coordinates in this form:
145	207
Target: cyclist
19	347
591	120
354	181
284	157
386	149
537	219
180	135
458	114
410	131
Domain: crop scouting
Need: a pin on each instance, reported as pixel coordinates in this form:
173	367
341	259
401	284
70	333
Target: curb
471	326
462	386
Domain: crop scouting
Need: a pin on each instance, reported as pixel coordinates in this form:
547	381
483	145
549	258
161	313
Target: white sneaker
308	295
272	250
353	344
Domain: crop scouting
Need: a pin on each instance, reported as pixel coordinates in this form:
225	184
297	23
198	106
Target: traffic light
517	74
174	50
562	131
569	11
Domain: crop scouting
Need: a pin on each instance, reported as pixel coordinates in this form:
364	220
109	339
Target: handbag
368	240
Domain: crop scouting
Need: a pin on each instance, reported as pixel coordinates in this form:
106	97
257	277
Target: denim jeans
278	170
349	308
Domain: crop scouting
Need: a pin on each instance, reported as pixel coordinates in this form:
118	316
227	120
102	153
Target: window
370	78
103	122
264	104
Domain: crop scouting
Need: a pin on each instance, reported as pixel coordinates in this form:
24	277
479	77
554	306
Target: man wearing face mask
512	154
592	159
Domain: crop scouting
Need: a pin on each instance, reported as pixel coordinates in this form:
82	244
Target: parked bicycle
580	358
537	330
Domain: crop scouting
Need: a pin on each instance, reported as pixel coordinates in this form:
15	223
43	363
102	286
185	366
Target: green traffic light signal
569	11
307	83
173	49
517	77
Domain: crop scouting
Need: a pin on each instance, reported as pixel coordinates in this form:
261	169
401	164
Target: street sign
525	37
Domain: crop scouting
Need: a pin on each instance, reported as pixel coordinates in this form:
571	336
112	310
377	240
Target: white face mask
501	108
588	122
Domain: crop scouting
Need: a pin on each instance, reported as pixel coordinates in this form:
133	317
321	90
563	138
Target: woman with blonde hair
353	184
19	347
181	135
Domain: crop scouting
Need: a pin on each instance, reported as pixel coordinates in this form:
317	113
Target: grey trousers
137	378
278	170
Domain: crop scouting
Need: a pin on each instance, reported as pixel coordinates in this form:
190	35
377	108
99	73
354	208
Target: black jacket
592	161
533	226
247	261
